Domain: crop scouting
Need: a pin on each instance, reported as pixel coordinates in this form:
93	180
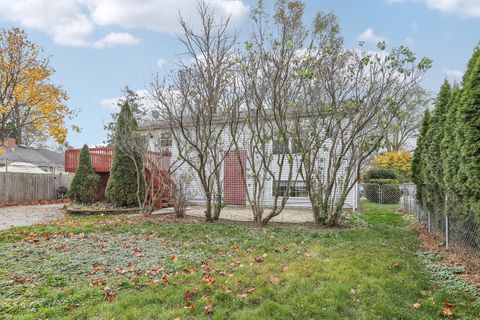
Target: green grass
175	269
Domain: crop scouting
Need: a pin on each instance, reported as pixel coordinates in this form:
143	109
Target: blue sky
99	46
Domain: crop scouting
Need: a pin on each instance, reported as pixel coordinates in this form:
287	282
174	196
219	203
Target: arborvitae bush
419	154
85	183
125	180
469	119
380	173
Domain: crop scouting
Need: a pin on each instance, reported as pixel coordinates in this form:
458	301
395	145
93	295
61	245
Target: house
21	158
234	189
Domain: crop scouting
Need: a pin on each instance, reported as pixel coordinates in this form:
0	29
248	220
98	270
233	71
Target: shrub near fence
382	193
20	187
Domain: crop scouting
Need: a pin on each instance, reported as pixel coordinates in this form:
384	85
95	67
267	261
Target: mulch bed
32	203
456	256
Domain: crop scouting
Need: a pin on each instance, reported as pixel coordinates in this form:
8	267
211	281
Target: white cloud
161	62
73	22
453	73
466	8
112	103
369	36
116	38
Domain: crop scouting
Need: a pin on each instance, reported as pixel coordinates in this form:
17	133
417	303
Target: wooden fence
19	187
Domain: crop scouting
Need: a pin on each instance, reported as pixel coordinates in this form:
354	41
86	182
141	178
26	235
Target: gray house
21	158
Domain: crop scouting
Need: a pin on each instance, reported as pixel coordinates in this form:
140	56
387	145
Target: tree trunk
217	206
318	215
208	209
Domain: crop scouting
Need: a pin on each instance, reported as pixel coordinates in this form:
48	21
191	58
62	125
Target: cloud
75	22
116	38
112	103
369	36
453	73
466	8
161	62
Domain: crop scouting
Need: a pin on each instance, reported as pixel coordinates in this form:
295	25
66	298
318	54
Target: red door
234	188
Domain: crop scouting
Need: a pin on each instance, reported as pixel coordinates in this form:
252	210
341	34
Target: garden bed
99	208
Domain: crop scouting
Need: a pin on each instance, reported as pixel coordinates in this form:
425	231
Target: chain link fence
460	232
380	193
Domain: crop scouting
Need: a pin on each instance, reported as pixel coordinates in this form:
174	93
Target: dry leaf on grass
274	279
447	309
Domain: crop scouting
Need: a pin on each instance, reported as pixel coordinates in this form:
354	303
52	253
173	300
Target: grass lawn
131	268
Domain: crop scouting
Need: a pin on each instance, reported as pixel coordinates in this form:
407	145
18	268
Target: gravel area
289	215
28	215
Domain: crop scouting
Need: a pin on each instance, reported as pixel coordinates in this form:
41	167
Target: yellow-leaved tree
400	161
32	107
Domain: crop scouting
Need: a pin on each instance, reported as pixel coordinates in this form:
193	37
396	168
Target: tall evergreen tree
469	119
85	183
433	163
449	143
126	184
419	154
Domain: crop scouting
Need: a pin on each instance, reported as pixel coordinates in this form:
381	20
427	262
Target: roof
23	167
38	156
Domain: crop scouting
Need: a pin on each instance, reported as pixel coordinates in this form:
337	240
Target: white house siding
351	201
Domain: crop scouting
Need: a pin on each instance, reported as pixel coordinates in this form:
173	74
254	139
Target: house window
166	139
297	189
280	147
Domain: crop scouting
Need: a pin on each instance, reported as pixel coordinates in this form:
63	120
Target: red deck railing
101	159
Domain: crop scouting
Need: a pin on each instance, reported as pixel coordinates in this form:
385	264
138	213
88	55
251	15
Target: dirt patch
456	256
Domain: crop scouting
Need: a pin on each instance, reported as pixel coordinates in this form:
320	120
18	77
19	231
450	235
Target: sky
98	47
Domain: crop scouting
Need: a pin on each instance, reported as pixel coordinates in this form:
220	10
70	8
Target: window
166	139
285	148
279	147
297	189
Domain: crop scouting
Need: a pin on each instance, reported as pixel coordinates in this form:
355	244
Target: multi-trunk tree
197	101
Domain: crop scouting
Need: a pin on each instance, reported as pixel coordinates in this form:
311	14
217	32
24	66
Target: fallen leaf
274	279
352	291
108	294
208	309
447	309
174	258
250	289
190	307
208	278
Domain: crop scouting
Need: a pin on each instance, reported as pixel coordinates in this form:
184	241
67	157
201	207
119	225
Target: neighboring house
234	191
25	159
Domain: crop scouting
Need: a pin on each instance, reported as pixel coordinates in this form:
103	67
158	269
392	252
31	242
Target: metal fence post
446	231
428	219
446	221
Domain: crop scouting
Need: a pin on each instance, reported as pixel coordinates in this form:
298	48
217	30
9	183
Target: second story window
166	139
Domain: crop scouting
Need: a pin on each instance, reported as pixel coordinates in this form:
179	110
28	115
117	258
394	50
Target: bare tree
405	125
351	97
269	90
197	102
